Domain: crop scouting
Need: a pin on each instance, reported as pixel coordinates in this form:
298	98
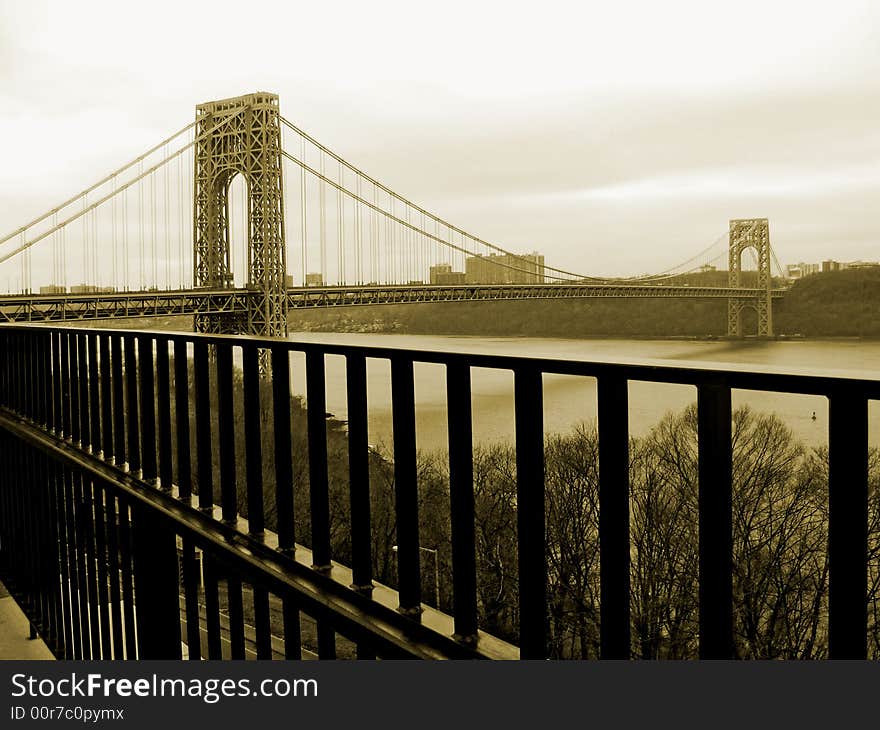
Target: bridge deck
113	305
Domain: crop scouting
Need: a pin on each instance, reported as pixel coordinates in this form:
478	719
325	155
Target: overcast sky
615	137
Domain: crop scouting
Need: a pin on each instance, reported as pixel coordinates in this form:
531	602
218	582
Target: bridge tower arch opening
241	136
750	233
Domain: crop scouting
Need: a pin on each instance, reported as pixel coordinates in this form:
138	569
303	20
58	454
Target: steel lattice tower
241	135
750	233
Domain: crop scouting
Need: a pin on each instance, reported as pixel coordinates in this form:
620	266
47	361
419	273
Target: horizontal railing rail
105	490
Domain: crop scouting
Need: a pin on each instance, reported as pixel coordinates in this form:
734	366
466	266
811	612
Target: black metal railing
107	496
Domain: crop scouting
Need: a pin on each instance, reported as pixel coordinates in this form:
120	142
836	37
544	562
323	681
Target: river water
569	400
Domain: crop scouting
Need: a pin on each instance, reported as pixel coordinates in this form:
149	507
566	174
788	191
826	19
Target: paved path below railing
14	631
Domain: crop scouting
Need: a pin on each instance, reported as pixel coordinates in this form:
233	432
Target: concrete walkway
14	631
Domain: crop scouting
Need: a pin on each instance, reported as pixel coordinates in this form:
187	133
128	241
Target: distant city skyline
616	141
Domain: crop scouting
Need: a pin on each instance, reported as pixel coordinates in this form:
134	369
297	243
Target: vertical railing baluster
147	383
66	395
406	486
61	545
236	616
102	562
163	407
847	524
128	610
85	434
292	630
531	529
88	521
204	456
716	526
226	434
182	415
359	473
191	599
154	559
58	403
284	515
131	406
80	519
75	422
614	544
253	437
318	486
262	623
319	495
106	400
113	567
119	449
461	501
212	606
94	394
68	598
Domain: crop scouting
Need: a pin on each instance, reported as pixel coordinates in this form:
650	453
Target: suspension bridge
240	216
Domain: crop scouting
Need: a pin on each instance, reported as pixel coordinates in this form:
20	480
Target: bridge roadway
113	305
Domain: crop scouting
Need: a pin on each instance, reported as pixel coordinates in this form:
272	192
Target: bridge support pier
751	233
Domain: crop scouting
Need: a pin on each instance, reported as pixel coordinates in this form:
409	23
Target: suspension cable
105	198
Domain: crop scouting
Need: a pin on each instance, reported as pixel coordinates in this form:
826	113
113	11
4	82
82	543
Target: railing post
85	434
715	521
226	433
614	542
181	415
847	525
94	394
66	400
359	473
319	500
163	407
119	449
106	399
461	501
132	420
75	405
283	464
319	495
204	456
147	383
157	593
406	487
250	363
530	517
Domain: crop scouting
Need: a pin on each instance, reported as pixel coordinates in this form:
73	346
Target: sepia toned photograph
462	330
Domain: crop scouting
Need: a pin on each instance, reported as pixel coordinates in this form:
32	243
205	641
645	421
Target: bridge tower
241	135
750	233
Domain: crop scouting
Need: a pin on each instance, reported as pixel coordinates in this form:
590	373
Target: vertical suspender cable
302	183
180	218
125	251
357	222
341	208
323	197
374	244
154	255
95	243
113	240
165	227
141	283
84	238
